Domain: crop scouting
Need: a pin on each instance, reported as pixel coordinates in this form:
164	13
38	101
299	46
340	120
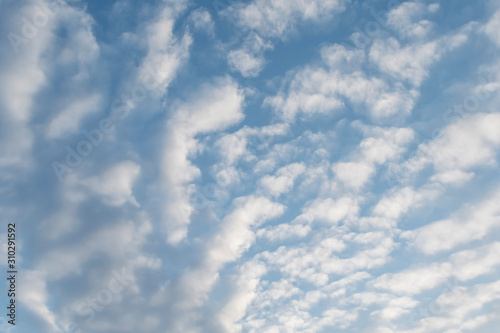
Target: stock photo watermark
91	306
12	271
31	25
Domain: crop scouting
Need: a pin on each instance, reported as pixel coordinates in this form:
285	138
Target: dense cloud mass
252	166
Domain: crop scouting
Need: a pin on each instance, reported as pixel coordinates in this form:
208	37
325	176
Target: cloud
249	65
202	21
23	77
248	141
284	231
470	224
68	120
83	89
458	149
230	242
459	310
409	63
249	60
324	87
466	144
407	19
379	146
353	174
216	106
463	266
341	75
118	242
115	184
492	26
35	298
283	180
265	21
236	306
400	200
329	210
165	53
235	236
277	18
412	63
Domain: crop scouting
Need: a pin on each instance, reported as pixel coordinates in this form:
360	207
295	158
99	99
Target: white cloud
69	119
166	53
470	224
83	89
249	59
409	63
336	318
370	258
317	263
247	141
234	237
277	18
249	65
119	243
268	20
379	146
215	107
322	88
284	231
492	27
329	210
115	184
407	19
391	306
35	297
459	148
233	146
468	143
202	21
458	310
463	266
23	75
414	281
401	200
246	285
457	177
283	180
353	174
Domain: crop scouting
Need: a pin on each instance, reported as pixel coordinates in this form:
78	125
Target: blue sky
264	166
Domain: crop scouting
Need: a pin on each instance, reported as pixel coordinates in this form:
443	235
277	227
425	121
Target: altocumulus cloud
251	166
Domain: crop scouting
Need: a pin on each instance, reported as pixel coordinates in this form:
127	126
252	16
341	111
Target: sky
254	166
